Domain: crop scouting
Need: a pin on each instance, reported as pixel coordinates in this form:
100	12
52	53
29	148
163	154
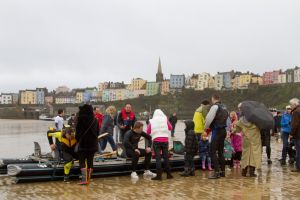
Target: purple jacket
236	142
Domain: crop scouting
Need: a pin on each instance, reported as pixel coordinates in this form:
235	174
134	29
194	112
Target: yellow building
241	81
120	94
137	84
211	82
103	86
165	87
245	79
28	97
257	79
194	81
203	81
79	96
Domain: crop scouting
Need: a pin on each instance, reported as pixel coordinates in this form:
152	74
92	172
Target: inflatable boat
40	168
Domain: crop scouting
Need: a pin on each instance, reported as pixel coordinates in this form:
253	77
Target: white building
281	78
6	98
297	75
203	81
218	82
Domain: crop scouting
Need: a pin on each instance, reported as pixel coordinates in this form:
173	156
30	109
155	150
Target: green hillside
186	102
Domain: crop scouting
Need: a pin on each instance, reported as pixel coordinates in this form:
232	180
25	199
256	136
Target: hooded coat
252	148
199	118
87	129
159	125
190	142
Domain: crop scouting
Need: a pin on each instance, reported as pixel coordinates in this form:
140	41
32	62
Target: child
190	149
204	152
236	141
228	151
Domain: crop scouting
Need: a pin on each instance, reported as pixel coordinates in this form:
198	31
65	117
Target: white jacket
159	125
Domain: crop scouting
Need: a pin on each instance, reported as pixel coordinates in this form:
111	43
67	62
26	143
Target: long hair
85	115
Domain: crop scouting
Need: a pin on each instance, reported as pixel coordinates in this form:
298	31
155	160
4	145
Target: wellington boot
84	177
158	176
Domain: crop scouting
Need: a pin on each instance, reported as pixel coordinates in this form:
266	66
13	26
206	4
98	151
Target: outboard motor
37	150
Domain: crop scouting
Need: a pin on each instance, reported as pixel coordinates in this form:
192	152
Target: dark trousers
122	134
158	148
266	141
297	143
285	143
86	159
237	156
135	158
69	156
217	150
189	161
110	139
59	150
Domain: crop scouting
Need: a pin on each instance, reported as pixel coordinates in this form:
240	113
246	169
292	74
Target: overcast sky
81	43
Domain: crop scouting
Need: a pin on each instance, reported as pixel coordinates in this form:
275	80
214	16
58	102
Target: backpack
221	117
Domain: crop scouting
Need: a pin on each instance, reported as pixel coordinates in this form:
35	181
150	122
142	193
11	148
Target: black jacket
131	139
107	125
295	123
88	140
190	142
173	121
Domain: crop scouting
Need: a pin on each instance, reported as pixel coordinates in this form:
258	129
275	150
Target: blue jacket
286	122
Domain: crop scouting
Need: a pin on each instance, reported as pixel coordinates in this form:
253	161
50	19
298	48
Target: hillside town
114	91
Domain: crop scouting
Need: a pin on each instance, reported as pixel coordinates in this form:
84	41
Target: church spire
159	71
159	74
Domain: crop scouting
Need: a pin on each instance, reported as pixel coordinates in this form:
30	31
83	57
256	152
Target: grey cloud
81	43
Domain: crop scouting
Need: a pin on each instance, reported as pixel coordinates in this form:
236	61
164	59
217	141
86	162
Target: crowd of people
218	136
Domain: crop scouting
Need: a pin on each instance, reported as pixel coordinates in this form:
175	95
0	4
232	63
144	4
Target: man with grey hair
295	132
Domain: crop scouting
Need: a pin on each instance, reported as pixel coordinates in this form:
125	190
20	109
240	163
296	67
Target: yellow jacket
199	122
65	141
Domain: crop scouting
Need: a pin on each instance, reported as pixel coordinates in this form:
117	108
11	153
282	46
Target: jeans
172	132
135	158
204	158
285	142
158	148
217	149
109	138
189	161
297	143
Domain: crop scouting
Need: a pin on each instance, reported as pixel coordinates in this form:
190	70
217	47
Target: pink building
271	77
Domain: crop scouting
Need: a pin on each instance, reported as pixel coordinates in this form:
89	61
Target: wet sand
273	182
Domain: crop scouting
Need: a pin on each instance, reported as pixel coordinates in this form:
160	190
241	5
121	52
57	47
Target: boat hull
35	172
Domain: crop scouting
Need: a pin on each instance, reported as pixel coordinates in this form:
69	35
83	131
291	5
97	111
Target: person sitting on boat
68	141
126	120
108	127
131	140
